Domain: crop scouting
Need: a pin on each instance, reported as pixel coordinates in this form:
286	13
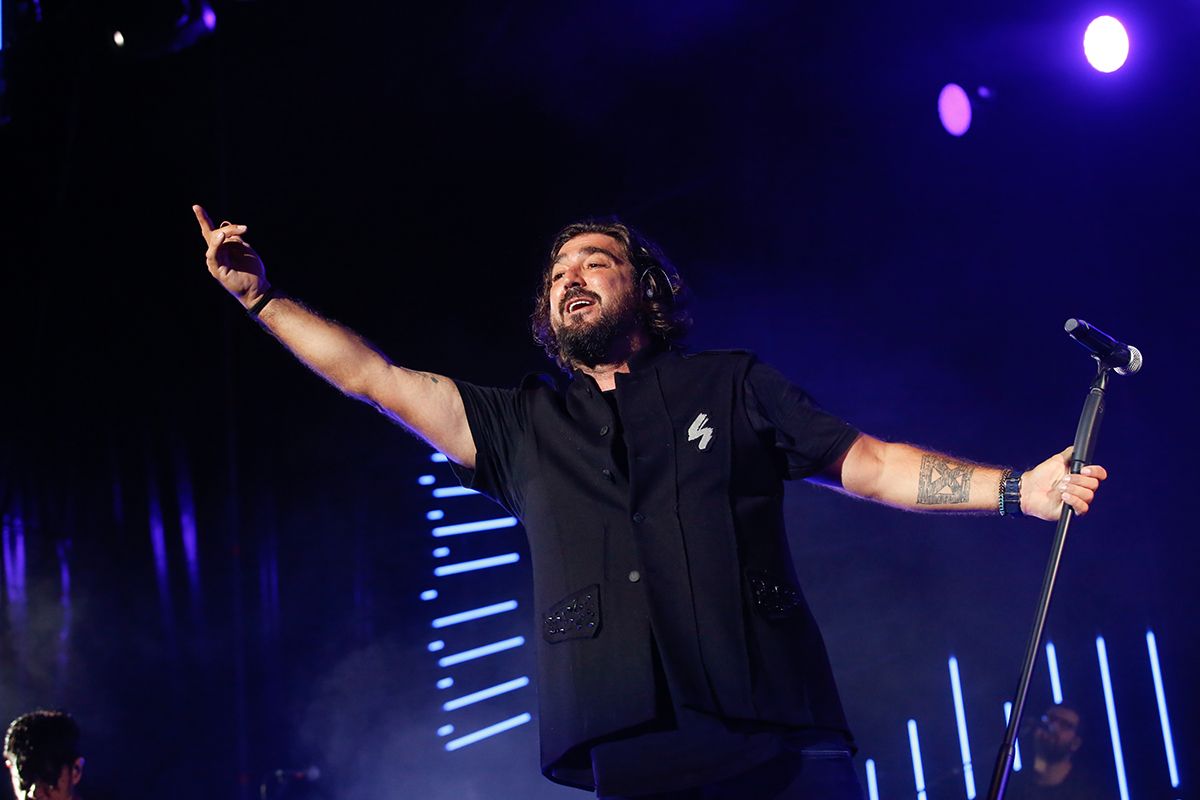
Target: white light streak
479	563
486	694
1161	697
491	730
872	783
1052	663
473	527
453	491
480	652
914	745
475	613
1111	708
960	718
1016	744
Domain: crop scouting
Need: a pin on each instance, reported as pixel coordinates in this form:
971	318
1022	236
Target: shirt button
639	517
635	576
604	430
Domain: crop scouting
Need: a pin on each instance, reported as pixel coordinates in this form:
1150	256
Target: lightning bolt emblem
699	429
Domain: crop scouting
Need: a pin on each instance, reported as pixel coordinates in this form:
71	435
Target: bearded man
677	657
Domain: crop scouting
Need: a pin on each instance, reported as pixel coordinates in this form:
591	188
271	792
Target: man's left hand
1047	486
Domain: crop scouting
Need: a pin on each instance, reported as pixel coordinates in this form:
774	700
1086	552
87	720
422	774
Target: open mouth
577	303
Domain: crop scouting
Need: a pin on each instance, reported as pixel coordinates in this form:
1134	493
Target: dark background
402	168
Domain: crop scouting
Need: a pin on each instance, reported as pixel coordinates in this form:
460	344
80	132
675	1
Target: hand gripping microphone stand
1085	440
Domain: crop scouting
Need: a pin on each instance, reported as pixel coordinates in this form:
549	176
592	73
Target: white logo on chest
699	429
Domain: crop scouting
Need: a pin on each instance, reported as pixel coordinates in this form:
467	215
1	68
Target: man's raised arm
428	405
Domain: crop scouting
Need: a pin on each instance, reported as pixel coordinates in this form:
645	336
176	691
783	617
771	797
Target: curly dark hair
41	743
666	318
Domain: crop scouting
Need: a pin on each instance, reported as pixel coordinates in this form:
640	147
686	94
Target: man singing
677	658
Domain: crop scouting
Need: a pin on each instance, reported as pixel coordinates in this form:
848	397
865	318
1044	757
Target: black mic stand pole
1085	440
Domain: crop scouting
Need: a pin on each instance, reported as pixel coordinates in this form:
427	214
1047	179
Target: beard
1051	748
594	342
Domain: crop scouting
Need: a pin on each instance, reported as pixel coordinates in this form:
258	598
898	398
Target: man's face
593	297
29	788
1057	738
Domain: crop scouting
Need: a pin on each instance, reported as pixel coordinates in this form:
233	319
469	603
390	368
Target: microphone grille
1135	362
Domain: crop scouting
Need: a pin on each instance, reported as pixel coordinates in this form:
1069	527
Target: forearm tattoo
943	482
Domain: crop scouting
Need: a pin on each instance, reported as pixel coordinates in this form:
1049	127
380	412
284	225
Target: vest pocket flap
574	617
775	598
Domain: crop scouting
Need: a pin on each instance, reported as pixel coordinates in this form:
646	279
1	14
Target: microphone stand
1085	440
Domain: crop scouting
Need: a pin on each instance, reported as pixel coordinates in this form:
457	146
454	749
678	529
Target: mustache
575	293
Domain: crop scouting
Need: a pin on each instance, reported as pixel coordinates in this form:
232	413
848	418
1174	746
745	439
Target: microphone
1124	359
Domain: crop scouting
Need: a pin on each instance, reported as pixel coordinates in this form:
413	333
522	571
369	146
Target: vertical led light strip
1017	745
872	782
960	718
1052	663
1161	697
914	744
1111	708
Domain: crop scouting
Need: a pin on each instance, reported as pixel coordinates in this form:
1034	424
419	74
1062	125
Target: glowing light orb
118	39
954	109
210	18
1106	44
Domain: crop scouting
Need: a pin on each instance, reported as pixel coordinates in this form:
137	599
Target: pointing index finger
206	225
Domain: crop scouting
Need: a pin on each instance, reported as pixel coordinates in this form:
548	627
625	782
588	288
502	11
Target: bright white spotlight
118	39
954	109
1106	44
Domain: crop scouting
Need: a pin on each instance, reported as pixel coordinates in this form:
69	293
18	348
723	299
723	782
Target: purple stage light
1106	44
210	18
954	109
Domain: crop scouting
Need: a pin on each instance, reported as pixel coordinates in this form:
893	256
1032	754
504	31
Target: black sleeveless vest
691	550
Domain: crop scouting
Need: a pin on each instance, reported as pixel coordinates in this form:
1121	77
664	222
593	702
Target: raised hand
231	260
1047	486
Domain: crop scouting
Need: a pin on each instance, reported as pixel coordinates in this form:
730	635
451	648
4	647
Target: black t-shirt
1080	784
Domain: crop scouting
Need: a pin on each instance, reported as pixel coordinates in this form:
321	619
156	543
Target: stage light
441	552
445	683
914	744
210	18
1161	697
1016	744
491	730
486	694
960	718
429	594
445	730
475	613
480	652
474	527
954	109
453	491
1110	708
438	458
1052	663
118	39
433	647
479	563
1106	44
426	480
872	782
435	515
